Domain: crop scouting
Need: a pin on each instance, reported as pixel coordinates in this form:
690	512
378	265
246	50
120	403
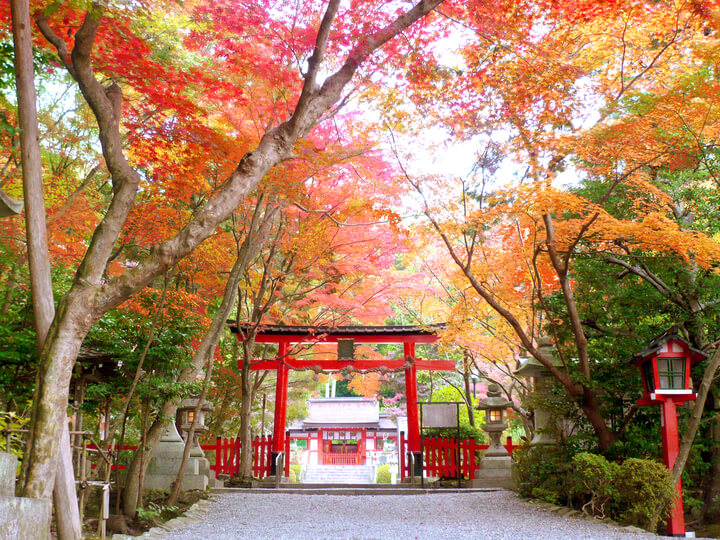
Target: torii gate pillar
412	407
281	389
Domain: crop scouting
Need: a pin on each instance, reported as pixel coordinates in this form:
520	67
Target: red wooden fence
440	456
227	456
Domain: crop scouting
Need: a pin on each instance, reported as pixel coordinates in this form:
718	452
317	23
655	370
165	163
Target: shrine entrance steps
347	489
339	474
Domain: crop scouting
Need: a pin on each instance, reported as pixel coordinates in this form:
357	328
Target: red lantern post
665	367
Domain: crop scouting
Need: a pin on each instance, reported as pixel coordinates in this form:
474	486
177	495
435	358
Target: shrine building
345	431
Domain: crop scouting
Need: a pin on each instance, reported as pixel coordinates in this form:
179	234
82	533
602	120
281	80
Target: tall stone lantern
496	467
543	380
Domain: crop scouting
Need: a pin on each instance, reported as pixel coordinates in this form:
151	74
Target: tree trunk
215	333
246	454
468	398
10	284
67	513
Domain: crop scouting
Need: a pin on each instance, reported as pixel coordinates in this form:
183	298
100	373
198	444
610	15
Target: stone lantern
496	466
543	382
494	406
186	416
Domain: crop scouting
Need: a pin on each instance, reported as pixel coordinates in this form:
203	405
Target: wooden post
287	453
281	387
676	520
401	455
218	456
320	456
412	407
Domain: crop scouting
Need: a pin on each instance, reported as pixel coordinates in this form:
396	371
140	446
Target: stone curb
564	511
192	515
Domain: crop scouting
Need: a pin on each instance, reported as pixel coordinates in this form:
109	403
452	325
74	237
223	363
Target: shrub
542	472
295	471
645	491
383	474
592	481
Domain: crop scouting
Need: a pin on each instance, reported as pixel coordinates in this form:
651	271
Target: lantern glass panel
647	369
191	417
672	373
495	415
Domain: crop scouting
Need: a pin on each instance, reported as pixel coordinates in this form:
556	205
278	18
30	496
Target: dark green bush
543	472
645	491
639	491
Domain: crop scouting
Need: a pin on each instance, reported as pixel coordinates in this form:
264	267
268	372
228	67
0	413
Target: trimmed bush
592	482
295	470
383	474
639	492
543	472
645	491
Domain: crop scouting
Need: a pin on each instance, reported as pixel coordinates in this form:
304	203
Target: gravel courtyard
496	515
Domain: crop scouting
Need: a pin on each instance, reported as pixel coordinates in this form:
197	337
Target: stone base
164	482
494	472
8	470
20	517
165	464
269	481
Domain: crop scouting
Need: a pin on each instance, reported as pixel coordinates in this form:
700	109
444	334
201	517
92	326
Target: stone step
386	489
338	474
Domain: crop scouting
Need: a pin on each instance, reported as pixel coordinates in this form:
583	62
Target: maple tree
527	91
80	37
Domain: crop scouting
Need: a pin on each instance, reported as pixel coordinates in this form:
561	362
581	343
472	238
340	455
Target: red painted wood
330	364
411	398
402	455
671	447
287	454
280	400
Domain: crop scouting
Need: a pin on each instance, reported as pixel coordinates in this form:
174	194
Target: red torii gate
284	336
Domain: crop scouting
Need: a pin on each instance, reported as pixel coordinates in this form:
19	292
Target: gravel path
455	516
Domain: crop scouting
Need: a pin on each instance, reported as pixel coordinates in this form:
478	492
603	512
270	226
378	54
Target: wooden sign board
439	415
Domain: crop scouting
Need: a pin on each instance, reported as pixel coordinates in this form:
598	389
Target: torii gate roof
360	334
275	333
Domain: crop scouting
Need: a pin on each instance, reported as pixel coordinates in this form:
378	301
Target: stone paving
432	516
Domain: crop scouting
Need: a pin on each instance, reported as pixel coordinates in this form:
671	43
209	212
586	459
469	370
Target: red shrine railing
440	456
227	456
